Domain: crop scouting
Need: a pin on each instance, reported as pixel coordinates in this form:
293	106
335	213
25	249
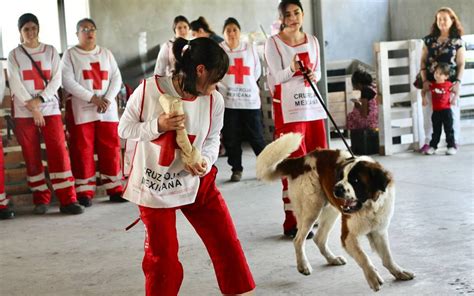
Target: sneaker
41	209
236	176
117	197
451	151
84	201
292	233
6	213
424	149
72	209
430	151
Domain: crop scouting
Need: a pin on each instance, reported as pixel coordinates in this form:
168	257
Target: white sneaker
430	151
451	151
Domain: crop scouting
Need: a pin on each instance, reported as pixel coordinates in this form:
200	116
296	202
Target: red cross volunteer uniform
25	84
242	117
165	61
88	73
295	106
159	184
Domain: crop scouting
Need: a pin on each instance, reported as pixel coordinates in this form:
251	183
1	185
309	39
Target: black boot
117	197
72	209
292	233
84	201
6	213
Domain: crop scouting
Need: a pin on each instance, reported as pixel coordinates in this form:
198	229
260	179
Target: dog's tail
274	154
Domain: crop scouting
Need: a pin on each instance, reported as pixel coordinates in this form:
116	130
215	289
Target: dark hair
200	51
456	30
445	68
84	20
26	18
231	21
201	23
282	9
361	77
179	19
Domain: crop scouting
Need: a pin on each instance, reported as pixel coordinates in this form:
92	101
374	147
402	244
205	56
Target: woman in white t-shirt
295	106
36	112
242	116
165	60
160	182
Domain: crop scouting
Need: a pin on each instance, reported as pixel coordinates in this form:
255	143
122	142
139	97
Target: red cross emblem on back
96	75
304	58
239	70
34	75
167	142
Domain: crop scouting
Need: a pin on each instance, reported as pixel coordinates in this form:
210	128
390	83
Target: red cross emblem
34	75
304	58
167	142
239	70
96	75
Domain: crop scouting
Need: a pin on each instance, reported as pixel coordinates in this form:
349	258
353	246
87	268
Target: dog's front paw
305	268
339	260
374	280
404	275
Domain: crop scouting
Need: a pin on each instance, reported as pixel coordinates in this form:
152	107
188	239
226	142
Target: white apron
157	178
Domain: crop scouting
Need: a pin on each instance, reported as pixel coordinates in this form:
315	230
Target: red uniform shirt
440	95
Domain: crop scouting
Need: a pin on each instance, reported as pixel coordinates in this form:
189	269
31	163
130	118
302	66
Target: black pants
438	119
240	125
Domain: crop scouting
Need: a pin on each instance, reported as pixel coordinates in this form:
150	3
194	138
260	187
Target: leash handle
318	95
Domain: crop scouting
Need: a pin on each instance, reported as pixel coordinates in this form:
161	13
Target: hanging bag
418	83
60	91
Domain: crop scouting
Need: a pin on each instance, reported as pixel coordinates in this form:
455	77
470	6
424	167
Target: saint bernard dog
325	183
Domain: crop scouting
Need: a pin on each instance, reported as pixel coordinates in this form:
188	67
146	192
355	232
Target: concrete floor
431	234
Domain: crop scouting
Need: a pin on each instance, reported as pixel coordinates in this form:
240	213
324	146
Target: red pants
211	220
59	167
3	197
101	138
314	134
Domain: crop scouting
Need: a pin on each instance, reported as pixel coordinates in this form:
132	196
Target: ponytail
199	51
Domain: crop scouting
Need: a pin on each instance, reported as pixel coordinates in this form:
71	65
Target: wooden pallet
396	69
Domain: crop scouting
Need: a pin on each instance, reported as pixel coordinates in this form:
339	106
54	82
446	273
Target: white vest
157	179
295	96
32	81
239	86
93	70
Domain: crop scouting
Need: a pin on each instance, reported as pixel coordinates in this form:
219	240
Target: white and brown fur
325	183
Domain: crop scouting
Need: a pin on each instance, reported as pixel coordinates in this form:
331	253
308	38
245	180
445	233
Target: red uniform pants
59	166
211	219
85	139
314	136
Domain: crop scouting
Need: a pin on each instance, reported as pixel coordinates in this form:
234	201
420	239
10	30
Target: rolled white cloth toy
189	154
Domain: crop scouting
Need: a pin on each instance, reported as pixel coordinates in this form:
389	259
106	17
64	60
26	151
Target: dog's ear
380	178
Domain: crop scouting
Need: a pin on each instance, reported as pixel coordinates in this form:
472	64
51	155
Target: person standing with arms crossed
35	75
242	115
92	78
295	107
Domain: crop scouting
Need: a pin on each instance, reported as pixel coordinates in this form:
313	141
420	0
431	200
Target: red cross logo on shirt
239	70
96	75
304	58
167	142
34	75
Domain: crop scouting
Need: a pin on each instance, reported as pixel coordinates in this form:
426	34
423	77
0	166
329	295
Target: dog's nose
339	190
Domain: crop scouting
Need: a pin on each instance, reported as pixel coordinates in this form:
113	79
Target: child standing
365	112
442	115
